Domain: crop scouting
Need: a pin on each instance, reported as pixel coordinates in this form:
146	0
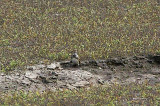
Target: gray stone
36	67
53	66
26	82
31	75
155	71
115	62
61	84
149	76
81	84
52	88
62	77
2	74
102	65
101	81
17	74
40	66
81	73
31	68
70	87
154	80
51	79
114	81
131	79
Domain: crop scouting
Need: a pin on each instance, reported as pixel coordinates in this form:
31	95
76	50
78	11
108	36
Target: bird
75	59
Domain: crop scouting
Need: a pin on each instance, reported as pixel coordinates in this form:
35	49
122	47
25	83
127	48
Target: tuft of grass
132	94
49	30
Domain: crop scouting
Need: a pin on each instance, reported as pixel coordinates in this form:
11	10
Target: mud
61	75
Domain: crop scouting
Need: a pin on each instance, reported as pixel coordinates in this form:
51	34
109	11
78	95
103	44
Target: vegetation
47	30
133	94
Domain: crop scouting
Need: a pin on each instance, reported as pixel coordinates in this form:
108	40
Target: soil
61	75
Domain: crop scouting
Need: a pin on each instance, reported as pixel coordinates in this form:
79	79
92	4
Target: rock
26	82
40	66
51	79
17	74
39	87
114	80
2	74
54	73
81	84
102	65
137	64
84	63
37	71
105	72
62	76
131	80
70	87
53	66
155	71
139	58
74	76
83	74
93	81
136	70
41	77
101	81
154	81
148	76
107	77
61	84
5	87
138	78
150	61
31	75
36	67
73	79
47	78
51	88
115	62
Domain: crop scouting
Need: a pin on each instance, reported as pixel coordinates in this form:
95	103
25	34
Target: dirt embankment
60	75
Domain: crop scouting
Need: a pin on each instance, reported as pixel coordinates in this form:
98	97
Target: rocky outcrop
61	75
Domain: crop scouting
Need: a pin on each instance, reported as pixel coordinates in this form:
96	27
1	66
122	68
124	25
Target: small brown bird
75	59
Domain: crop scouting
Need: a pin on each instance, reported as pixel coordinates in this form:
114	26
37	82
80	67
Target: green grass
128	95
33	31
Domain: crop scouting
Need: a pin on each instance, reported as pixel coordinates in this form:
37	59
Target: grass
48	30
32	31
133	94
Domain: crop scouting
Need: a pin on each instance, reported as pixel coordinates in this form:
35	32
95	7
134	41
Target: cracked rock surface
61	75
